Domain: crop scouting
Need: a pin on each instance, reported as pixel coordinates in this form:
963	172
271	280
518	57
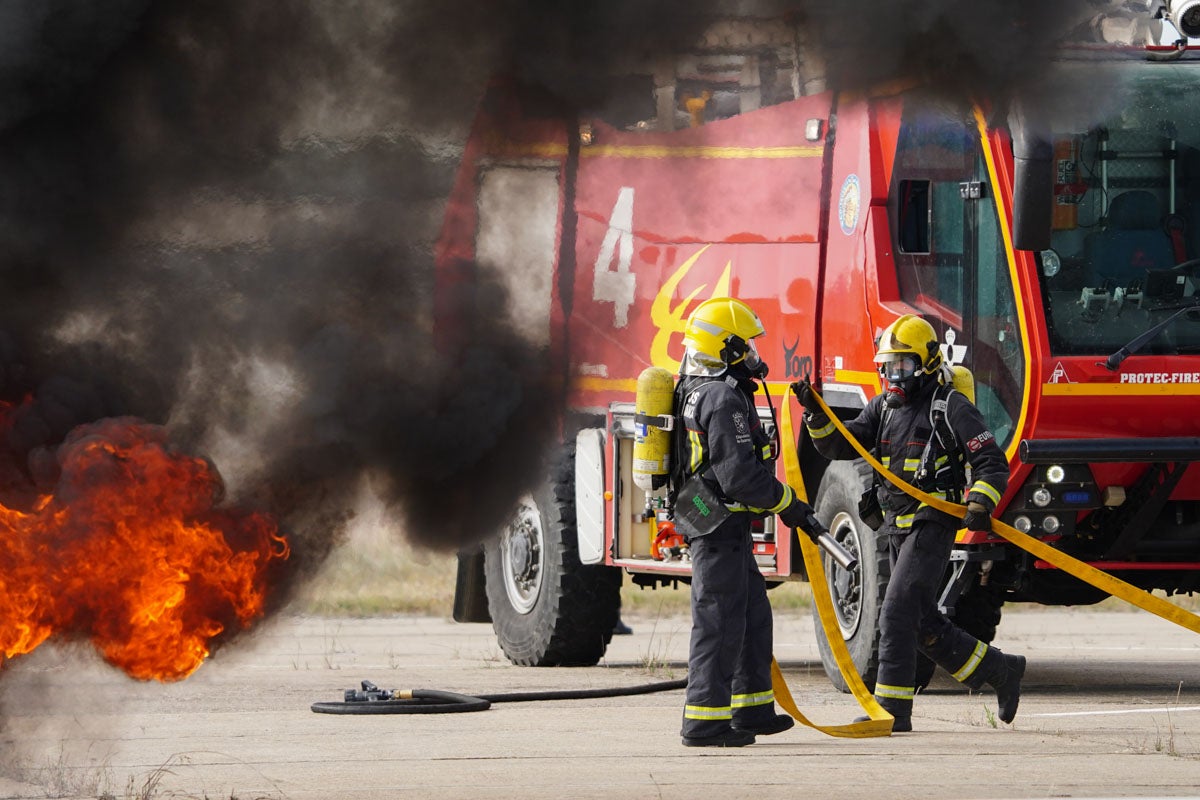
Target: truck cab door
953	265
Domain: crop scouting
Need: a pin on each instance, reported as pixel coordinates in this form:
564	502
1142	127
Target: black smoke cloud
968	49
219	216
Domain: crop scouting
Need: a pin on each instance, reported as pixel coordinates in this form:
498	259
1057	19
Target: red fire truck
1054	247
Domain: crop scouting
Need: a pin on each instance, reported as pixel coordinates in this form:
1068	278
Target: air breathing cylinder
653	422
963	381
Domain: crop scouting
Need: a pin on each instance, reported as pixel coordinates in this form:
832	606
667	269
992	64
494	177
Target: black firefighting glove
799	514
806	394
977	518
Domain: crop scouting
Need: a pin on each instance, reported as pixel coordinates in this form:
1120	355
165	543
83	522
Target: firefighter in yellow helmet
724	479
932	451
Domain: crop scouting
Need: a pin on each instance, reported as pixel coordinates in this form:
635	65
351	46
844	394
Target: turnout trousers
910	621
729	662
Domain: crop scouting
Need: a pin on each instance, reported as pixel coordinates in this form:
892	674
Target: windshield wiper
1114	361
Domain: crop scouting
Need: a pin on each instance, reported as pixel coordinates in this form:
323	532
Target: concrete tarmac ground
1111	707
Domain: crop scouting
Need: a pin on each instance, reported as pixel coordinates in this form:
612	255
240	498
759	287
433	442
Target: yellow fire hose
880	721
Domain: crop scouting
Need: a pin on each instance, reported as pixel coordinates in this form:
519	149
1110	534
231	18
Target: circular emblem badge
848	202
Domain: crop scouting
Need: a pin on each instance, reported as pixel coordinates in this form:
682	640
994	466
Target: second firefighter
899	427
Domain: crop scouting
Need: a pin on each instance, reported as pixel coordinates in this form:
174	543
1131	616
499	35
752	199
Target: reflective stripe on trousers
729	660
910	620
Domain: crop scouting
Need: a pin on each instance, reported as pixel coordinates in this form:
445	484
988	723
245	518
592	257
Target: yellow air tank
652	439
964	381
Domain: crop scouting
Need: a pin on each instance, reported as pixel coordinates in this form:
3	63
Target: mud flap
470	594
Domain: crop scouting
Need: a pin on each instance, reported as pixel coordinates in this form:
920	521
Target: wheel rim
845	586
521	548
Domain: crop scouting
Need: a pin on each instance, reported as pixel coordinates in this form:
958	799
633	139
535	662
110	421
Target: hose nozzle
821	537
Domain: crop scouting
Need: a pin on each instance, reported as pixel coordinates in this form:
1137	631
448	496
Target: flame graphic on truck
670	319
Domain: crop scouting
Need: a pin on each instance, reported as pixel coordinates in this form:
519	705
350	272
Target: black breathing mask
902	374
740	353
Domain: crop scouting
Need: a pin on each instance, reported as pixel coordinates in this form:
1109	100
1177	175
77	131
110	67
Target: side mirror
1033	185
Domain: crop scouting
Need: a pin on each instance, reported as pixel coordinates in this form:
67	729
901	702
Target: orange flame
132	552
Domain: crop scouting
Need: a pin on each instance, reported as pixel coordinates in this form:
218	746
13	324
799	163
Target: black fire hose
373	700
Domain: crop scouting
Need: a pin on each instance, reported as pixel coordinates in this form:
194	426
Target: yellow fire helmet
719	334
907	353
910	335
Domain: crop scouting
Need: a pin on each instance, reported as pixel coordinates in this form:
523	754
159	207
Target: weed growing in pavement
333	647
1165	741
494	655
988	720
1171	748
149	786
656	658
489	656
57	777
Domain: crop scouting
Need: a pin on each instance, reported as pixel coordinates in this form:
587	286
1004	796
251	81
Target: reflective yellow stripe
911	464
756	699
938	495
905	520
822	432
887	461
785	501
988	491
708	712
696	449
972	664
895	692
766	452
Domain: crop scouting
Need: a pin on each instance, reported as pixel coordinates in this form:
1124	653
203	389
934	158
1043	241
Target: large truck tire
547	608
857	595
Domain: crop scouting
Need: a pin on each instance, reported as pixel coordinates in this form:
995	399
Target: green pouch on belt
698	508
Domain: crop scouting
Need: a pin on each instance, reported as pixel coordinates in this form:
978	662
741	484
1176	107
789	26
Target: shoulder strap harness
943	433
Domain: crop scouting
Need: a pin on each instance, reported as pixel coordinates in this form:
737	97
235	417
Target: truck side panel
668	219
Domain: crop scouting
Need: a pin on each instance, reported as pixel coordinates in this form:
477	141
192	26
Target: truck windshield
1126	227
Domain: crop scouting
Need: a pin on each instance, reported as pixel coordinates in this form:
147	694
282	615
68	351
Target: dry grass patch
376	572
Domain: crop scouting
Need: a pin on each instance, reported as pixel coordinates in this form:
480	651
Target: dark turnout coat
898	438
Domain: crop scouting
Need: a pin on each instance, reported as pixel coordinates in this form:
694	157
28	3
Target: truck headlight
1051	263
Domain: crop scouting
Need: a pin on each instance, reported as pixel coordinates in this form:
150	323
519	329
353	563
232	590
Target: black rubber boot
730	738
1008	691
1003	673
781	723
